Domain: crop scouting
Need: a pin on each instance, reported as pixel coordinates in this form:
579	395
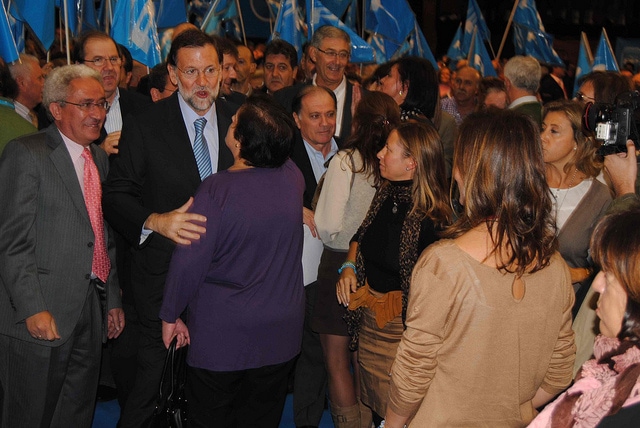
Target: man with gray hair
30	79
330	51
59	294
522	79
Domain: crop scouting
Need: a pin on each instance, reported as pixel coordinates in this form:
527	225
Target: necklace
556	192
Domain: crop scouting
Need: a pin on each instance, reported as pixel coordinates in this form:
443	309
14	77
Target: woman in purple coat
240	285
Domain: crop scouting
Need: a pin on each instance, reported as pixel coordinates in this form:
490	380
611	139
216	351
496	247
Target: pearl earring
400	93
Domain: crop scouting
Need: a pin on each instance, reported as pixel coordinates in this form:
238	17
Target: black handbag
171	405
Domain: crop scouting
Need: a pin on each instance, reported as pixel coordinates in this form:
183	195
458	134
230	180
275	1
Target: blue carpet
108	412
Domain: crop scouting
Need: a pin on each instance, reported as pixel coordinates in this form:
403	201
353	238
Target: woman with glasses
602	87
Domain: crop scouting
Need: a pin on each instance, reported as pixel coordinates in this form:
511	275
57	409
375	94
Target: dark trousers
123	353
310	378
252	398
48	386
147	294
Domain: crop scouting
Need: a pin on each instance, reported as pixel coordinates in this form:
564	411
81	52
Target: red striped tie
100	265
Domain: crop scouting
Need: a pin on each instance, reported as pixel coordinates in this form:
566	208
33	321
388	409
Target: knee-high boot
346	417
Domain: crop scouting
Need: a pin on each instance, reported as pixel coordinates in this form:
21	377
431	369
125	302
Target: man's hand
621	170
110	144
178	225
115	322
307	218
42	326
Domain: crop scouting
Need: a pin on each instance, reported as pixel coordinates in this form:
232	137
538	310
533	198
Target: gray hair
24	66
328	32
523	72
56	85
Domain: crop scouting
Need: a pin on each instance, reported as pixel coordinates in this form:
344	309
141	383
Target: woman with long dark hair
349	185
488	334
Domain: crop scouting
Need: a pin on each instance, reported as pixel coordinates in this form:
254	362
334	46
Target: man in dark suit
330	50
59	288
280	66
552	85
314	111
166	150
100	52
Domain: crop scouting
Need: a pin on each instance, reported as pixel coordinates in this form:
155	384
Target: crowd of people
420	246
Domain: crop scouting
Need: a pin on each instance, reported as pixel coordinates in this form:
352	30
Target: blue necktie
200	149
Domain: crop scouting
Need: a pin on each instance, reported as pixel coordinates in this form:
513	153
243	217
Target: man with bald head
465	87
30	79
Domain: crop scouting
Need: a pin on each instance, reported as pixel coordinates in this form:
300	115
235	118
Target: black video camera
614	124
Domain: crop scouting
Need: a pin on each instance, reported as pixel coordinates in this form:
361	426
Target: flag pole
66	30
506	30
244	35
587	48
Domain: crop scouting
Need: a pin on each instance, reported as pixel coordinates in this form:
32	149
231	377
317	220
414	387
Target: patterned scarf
408	250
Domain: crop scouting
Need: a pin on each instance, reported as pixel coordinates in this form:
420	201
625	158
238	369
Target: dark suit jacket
156	172
286	95
300	157
550	90
46	238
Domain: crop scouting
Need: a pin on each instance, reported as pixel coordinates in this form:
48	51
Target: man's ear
296	119
55	110
172	74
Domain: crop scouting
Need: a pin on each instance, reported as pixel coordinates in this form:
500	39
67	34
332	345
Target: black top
380	245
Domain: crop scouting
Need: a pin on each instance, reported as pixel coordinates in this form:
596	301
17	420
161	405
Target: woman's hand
178	329
347	284
579	274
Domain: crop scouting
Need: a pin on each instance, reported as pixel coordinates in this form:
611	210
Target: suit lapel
178	140
62	161
225	157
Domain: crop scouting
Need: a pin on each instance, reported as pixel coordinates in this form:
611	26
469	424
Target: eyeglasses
583	98
100	61
193	73
101	105
333	54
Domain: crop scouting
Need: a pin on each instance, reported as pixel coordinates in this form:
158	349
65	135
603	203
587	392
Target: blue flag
474	21
604	59
219	12
318	15
41	19
351	15
420	47
17	28
337	7
455	48
289	25
393	19
585	59
8	49
170	13
479	57
134	27
89	16
70	8
536	43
